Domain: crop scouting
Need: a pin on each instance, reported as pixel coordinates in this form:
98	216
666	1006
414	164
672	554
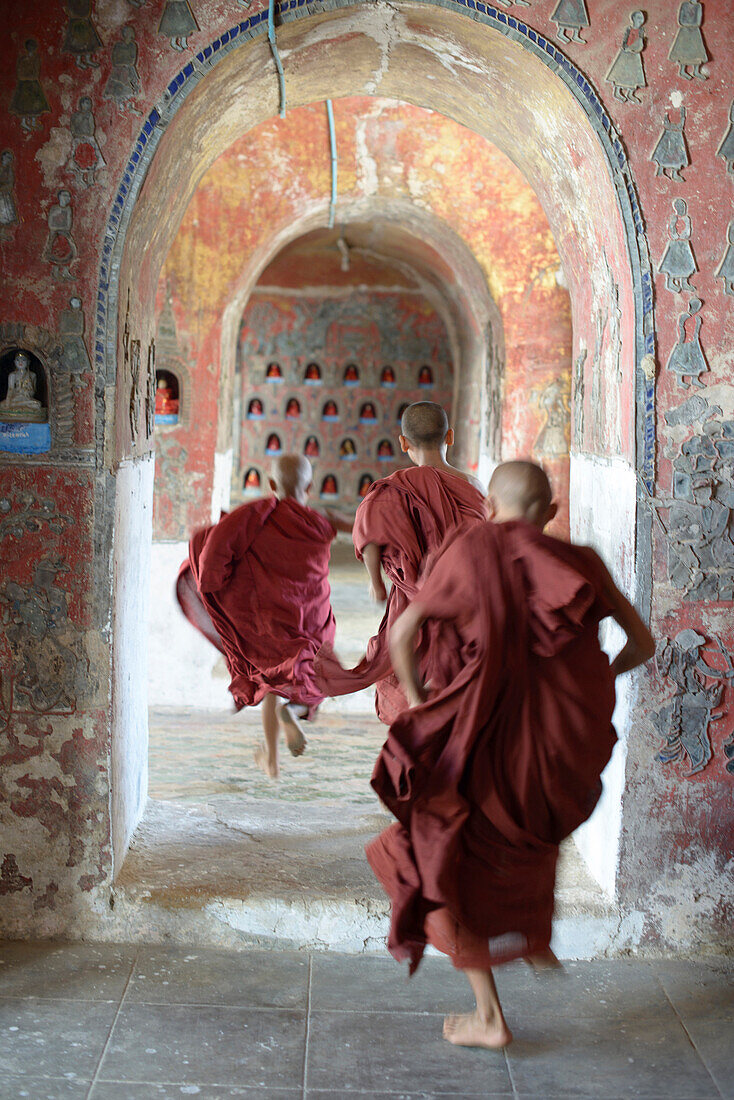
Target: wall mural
685	721
698	529
365	359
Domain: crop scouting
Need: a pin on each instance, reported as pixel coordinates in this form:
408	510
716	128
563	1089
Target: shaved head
520	490
292	475
425	424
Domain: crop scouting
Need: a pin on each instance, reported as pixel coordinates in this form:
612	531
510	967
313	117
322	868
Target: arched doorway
555	130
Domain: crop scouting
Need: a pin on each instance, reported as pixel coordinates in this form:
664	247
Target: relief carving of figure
726	149
20	404
74	355
684	721
124	81
688	49
687	359
725	270
570	15
29	100
670	153
60	249
177	23
86	156
678	262
81	39
8	210
627	73
699	530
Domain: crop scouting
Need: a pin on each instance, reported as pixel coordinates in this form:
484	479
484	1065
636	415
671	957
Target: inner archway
579	216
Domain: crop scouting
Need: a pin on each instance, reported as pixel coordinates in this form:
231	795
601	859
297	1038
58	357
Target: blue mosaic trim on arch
499	20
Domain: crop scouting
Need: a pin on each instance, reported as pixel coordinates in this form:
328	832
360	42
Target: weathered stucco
587	157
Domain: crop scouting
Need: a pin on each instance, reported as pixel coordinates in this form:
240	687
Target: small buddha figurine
165	403
21	404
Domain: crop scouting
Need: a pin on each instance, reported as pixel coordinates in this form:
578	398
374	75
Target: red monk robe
504	760
256	584
407	515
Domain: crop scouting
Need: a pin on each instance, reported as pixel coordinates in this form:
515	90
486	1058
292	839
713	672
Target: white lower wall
603	509
131	565
221	488
184	669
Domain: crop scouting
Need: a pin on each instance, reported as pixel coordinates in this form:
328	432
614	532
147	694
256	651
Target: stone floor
132	1023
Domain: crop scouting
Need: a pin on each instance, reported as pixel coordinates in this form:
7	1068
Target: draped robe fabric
407	515
504	759
256	585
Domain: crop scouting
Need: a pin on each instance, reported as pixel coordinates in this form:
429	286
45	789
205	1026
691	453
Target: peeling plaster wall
604	500
676	829
131	562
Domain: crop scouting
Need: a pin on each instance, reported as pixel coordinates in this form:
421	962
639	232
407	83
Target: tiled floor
119	1023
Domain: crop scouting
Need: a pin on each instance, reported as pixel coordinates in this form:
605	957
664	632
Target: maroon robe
504	760
256	584
407	515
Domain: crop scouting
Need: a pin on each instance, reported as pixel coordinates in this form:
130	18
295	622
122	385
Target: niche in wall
167	398
24	403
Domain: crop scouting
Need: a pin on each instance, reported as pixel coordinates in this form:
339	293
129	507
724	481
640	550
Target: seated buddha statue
20	405
165	403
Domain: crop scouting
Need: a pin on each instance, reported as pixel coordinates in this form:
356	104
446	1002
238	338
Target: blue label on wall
25	439
166	418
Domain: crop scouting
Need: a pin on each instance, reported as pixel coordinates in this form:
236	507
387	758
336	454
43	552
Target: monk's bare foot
263	761
471	1031
543	962
294	737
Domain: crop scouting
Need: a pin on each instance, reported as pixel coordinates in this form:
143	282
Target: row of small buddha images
312	375
252	483
329	410
312	448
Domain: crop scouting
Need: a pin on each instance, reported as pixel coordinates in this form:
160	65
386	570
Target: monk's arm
371	558
339	520
403	636
640	645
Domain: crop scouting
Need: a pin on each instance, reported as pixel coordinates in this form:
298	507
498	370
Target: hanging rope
334	165
276	55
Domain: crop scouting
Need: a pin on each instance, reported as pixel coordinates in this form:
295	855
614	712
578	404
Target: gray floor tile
53	1038
39	1088
613	989
338	1094
391	1052
698	989
91	972
181	975
566	1057
376	983
211	1044
714	1042
116	1090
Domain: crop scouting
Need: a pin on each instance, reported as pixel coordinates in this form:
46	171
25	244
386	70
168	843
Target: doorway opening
507	398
